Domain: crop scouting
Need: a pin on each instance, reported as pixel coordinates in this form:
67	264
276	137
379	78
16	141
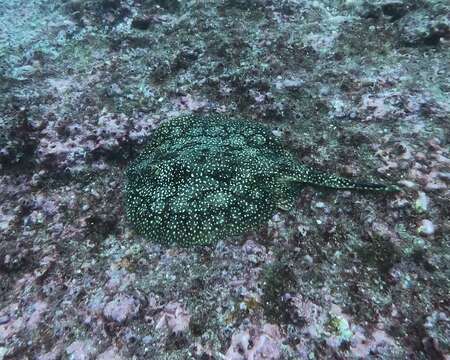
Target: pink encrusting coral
71	144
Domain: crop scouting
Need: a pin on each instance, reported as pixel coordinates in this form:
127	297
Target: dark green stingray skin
201	179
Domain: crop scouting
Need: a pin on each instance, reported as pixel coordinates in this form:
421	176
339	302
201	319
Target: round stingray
201	179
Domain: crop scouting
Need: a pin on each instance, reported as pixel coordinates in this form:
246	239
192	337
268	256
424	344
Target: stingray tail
315	178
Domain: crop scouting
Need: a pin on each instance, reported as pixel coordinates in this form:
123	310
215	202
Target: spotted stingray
204	178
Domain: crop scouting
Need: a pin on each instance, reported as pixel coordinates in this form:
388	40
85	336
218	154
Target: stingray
201	179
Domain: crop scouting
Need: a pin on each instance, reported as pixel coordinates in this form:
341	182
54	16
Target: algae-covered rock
421	27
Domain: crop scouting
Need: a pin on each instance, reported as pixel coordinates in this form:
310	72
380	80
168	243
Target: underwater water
224	179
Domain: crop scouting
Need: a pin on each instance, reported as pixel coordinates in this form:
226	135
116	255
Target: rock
54	354
444	176
121	308
422	28
141	23
435	185
392	9
4	319
81	350
259	343
426	228
174	318
13	257
307	260
399	203
38	308
422	202
119	279
290	84
111	353
395	9
408	184
3	352
437	327
23	72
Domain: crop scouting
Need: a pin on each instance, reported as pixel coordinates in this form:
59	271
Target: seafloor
358	88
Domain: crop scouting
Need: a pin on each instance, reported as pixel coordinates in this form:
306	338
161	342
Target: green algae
278	279
201	179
